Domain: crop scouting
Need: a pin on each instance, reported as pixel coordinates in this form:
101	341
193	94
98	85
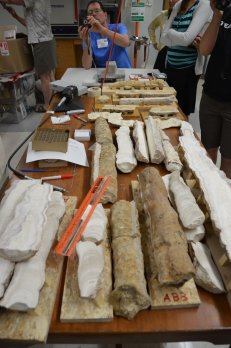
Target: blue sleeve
121	29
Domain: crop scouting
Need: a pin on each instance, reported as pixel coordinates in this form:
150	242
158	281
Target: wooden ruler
75	229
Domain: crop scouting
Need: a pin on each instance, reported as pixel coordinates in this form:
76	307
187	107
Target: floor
13	135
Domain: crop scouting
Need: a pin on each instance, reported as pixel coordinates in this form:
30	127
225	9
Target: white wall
152	9
63	13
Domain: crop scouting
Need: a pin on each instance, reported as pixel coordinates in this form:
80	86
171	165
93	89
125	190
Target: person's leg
226	139
45	63
226	166
213	154
211	125
46	78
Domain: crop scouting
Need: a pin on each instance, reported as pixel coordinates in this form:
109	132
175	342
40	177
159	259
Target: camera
83	22
222	4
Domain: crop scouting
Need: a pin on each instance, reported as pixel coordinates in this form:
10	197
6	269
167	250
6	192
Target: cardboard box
15	54
14	111
15	87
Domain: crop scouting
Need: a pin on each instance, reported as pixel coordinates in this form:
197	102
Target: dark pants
160	59
185	83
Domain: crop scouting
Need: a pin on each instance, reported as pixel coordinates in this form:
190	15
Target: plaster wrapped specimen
148	101
10	200
125	157
22	236
207	275
189	212
103	99
163	110
130	294
119	123
155	146
7	268
169	123
102	131
169	243
96	226
103	164
90	268
141	148
172	161
119	108
214	185
105	114
29	276
196	234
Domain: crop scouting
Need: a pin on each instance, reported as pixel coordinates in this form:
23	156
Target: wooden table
211	321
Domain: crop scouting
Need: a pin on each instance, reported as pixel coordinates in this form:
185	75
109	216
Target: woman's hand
83	32
196	41
96	26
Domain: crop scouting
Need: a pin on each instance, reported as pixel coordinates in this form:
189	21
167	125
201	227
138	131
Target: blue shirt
119	54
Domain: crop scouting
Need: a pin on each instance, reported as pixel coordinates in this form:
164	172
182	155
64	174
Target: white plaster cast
155	146
29	276
141	148
10	200
7	268
196	234
207	275
189	212
125	157
22	236
214	185
96	226
90	268
172	161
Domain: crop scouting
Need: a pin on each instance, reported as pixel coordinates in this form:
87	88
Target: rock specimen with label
130	294
169	243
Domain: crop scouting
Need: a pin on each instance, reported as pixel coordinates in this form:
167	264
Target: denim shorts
215	123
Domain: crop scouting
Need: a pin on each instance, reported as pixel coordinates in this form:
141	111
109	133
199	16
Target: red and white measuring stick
55	177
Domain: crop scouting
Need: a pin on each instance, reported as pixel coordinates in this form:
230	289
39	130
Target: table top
211	321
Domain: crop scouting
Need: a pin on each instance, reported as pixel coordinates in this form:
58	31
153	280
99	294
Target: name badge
102	43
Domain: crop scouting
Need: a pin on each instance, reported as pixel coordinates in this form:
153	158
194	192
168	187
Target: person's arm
120	39
152	30
87	54
15	15
209	38
171	37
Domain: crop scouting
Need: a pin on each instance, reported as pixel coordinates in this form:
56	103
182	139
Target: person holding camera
184	64
215	105
97	36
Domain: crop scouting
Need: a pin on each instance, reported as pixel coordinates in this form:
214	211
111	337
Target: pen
80	118
64	176
33	170
79	111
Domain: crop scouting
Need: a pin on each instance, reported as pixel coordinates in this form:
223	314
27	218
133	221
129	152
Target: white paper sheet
75	154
